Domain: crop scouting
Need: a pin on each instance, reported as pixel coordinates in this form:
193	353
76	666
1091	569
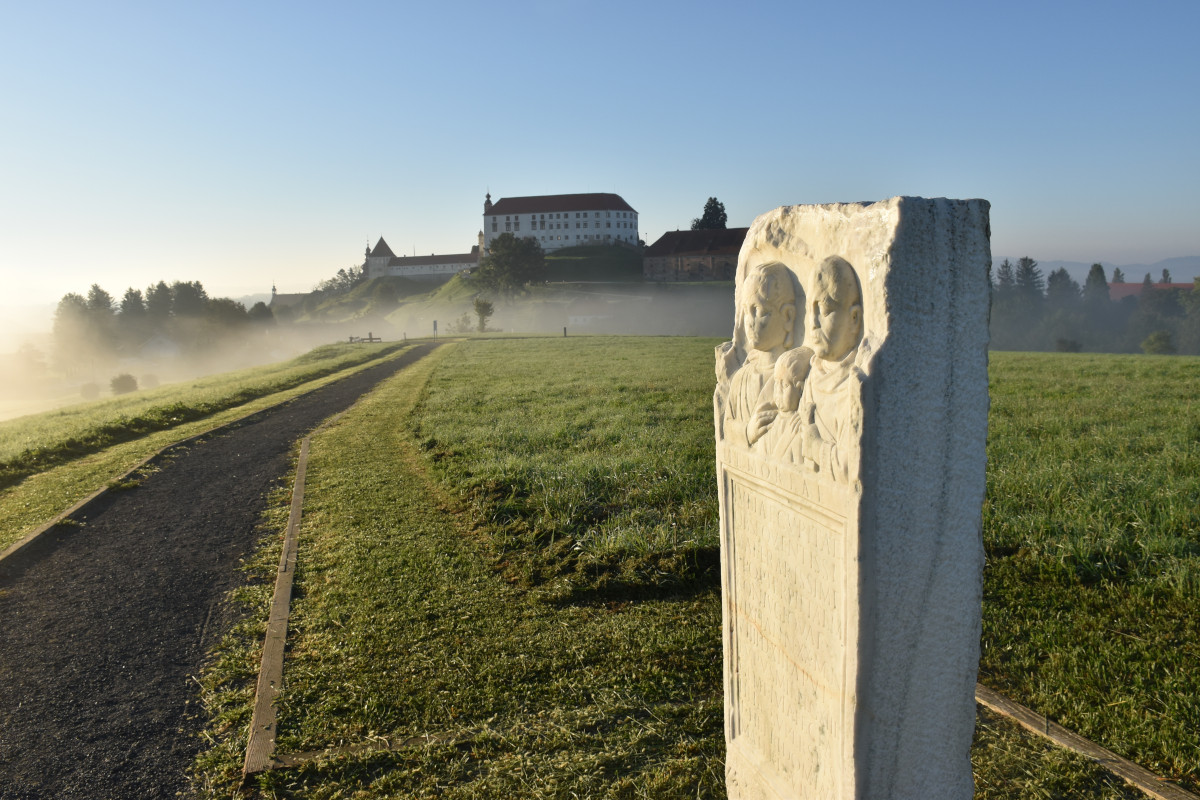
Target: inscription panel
785	595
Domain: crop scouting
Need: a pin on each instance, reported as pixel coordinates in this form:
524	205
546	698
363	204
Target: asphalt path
104	626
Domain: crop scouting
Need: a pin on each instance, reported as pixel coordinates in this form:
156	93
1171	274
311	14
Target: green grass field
1092	530
508	587
507	580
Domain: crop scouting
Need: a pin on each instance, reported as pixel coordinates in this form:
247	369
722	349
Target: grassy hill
370	300
594	263
595	289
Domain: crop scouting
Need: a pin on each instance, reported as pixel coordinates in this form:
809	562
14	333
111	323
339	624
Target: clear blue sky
241	144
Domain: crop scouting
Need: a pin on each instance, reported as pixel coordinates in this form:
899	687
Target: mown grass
1092	528
406	624
591	459
34	443
38	497
509	547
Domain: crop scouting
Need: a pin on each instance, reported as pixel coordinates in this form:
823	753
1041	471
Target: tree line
96	330
1032	311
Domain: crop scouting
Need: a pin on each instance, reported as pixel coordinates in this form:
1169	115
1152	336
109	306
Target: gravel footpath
104	626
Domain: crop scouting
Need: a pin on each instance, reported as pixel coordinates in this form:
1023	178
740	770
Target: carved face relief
767	327
791	369
787	396
769	310
835	318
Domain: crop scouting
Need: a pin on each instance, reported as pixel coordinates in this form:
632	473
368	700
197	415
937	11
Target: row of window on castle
541	225
567	215
585	236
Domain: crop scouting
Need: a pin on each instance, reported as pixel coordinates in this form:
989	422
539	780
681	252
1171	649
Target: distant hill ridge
1183	269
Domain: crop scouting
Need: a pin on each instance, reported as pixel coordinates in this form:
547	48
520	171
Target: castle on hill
554	220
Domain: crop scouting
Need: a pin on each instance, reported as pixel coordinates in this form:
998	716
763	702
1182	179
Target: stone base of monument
851	417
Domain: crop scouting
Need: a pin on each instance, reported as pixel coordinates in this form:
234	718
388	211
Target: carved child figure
780	418
835	329
766	316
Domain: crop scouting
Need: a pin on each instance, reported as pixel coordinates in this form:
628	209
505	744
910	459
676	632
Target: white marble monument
851	419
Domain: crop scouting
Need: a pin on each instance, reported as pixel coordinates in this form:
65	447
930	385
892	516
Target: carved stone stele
851	418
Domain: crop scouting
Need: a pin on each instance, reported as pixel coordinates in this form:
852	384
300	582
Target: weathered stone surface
851	418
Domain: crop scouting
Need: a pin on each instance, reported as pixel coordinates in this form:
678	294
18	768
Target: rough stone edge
1135	775
36	533
922	598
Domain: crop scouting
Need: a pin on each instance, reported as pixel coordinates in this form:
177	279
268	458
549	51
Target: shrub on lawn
123	384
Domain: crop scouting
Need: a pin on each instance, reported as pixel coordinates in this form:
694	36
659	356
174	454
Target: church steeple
487	203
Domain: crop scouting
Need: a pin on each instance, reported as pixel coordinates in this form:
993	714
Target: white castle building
555	220
382	261
562	220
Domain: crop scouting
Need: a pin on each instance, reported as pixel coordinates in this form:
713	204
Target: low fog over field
94	345
636	309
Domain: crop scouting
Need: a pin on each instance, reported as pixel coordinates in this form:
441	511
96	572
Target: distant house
1119	291
280	302
381	261
562	220
707	255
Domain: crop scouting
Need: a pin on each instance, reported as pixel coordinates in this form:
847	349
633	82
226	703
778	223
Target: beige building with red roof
703	255
562	220
381	261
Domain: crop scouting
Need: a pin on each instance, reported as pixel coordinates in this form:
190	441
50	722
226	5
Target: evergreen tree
1062	292
1031	286
131	319
158	303
1006	277
1095	290
1006	327
132	305
1166	276
188	298
1098	310
99	302
1118	276
713	218
101	321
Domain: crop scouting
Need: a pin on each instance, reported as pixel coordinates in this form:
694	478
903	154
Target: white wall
554	230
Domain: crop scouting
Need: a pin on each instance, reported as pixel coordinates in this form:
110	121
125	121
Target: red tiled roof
1119	291
725	241
600	201
420	261
382	249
